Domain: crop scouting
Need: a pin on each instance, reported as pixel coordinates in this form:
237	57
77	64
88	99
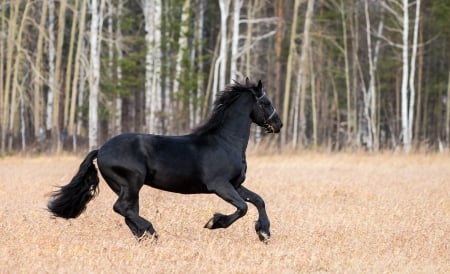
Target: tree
94	79
152	17
302	79
221	63
287	89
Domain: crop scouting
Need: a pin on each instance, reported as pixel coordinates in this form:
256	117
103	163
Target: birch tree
369	95
221	62
412	88
152	15
279	50
76	69
16	75
57	83
94	79
408	72
3	92
447	116
291	54
11	38
117	114
51	64
237	4
405	72
38	76
302	79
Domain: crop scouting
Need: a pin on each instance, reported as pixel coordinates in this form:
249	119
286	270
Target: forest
366	75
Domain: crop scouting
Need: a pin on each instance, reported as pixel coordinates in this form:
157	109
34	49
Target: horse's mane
224	99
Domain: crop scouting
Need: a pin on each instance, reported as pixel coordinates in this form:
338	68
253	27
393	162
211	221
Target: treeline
344	74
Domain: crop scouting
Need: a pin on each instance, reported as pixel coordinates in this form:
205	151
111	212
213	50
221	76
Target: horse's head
263	113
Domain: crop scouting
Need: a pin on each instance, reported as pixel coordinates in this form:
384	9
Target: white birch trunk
149	39
302	79
182	42
118	100
369	97
224	10
51	63
199	37
94	79
235	40
77	69
152	15
110	42
191	103
156	103
447	117
404	85
37	76
412	89
287	90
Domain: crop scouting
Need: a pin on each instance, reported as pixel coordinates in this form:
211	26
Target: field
329	213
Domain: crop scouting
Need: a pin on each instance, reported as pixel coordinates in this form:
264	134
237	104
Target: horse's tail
70	200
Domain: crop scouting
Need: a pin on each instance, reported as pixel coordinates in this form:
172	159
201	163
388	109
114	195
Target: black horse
211	159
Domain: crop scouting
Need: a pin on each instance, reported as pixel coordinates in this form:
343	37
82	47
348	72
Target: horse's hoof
264	237
148	237
210	223
215	222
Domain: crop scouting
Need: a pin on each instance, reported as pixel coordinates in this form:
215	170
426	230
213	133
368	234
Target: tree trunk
148	10
17	74
412	89
118	98
278	50
371	96
447	117
287	88
349	137
313	101
419	110
224	10
76	70
37	75
199	37
94	79
302	79
51	64
7	109
56	140
182	43
3	91
68	91
405	73
235	39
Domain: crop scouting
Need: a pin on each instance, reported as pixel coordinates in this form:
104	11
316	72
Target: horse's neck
235	129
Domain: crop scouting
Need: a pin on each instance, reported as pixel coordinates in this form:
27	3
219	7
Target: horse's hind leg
262	224
127	204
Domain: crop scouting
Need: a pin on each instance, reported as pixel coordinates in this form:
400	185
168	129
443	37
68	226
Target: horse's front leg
262	225
227	192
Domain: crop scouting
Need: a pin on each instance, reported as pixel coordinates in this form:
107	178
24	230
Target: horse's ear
247	81
259	85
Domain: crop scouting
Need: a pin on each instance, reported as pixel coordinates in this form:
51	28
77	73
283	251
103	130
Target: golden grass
329	213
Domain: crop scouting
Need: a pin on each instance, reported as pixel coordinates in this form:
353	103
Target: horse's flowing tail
70	200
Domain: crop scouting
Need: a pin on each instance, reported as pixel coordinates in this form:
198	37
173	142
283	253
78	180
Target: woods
345	74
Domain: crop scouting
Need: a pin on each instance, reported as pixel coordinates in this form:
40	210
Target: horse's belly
178	181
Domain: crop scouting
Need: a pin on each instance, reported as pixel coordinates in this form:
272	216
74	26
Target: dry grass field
329	213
